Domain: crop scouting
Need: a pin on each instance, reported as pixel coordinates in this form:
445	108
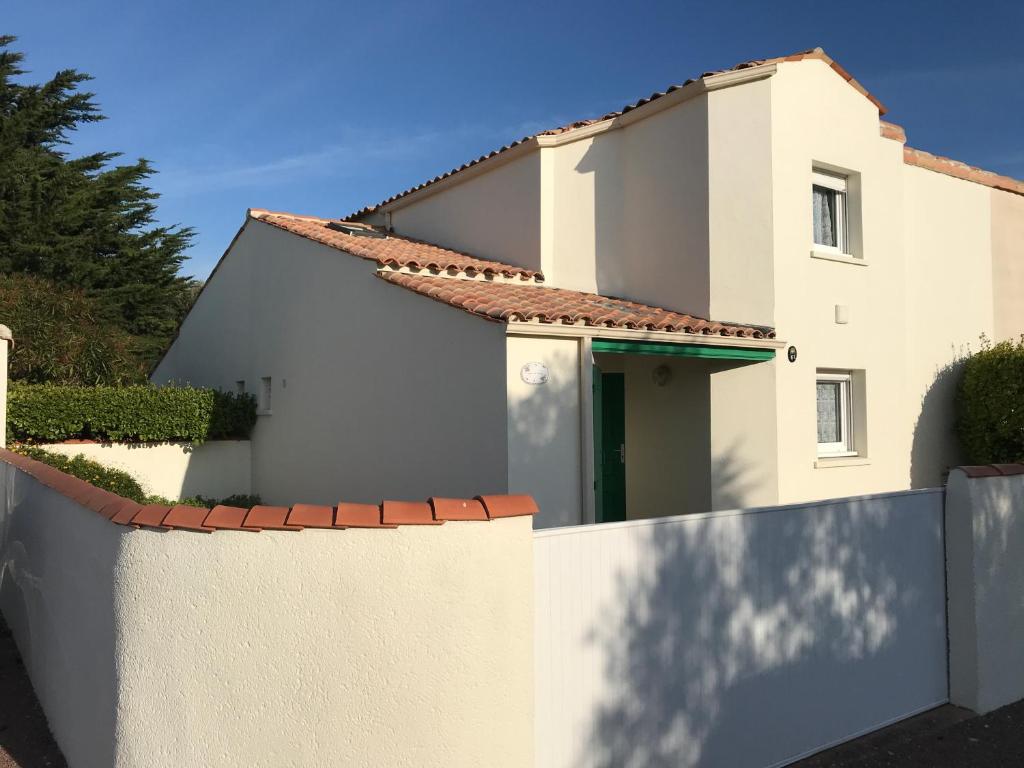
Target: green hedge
990	404
52	413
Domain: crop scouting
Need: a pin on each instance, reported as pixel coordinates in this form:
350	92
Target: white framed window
265	391
835	414
830	210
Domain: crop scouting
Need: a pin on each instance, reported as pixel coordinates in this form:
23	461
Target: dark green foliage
61	338
84	222
51	413
990	404
113	480
238	500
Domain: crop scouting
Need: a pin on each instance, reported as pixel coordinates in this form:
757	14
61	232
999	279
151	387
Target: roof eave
604	332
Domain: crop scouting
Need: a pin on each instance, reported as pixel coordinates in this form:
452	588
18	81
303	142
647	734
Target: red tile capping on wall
270	519
408	513
188	518
311	516
390	514
458	509
508	506
359	516
993	470
224	518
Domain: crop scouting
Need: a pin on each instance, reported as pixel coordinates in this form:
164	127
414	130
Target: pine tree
86	223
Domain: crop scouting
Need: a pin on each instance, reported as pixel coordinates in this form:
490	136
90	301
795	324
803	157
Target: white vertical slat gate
747	638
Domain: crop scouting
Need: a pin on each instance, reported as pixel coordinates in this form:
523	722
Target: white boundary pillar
6	339
985	583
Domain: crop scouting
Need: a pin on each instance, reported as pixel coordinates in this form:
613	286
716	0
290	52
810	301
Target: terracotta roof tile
458	509
224	518
359	516
508	506
270	518
311	516
814	53
408	513
512	302
151	515
388	249
955	168
188	518
124	515
391	514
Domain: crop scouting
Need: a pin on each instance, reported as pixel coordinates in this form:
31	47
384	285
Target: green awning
682	350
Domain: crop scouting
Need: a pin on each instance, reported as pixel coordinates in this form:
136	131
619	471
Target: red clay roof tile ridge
392	249
531	303
961	170
810	53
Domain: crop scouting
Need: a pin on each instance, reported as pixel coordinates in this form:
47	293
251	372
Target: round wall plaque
534	373
791	354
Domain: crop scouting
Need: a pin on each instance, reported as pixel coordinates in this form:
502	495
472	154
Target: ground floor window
835	414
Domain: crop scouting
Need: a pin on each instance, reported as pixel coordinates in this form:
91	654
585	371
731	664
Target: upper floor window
829	195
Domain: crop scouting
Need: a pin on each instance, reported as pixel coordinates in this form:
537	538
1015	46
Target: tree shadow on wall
936	447
544	423
746	639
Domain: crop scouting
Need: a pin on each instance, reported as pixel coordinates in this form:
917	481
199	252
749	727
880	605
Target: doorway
609	446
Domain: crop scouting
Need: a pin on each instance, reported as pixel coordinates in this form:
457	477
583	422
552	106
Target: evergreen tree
83	222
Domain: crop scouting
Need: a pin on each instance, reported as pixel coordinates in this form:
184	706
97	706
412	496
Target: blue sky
322	107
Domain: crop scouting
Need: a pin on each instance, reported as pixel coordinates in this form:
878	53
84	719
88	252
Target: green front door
610	445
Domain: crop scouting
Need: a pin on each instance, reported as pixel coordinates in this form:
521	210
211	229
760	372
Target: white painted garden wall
215	470
740	639
278	649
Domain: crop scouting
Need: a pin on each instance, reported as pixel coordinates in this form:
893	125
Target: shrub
51	413
990	404
113	480
62	338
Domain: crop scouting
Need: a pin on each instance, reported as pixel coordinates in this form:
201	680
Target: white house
743	291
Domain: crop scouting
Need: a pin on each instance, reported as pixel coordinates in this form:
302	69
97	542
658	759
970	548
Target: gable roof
813	53
526	302
387	248
506	294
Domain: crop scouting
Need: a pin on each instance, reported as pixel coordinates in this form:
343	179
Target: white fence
747	638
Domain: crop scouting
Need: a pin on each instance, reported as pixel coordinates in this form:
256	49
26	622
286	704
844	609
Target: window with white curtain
835	414
828	198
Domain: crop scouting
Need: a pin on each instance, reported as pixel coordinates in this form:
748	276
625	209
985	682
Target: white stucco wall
544	428
376	391
949	306
629	211
408	647
739	171
914	297
985	577
1008	264
493	215
215	469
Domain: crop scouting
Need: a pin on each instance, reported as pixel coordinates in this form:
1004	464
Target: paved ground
25	740
947	737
